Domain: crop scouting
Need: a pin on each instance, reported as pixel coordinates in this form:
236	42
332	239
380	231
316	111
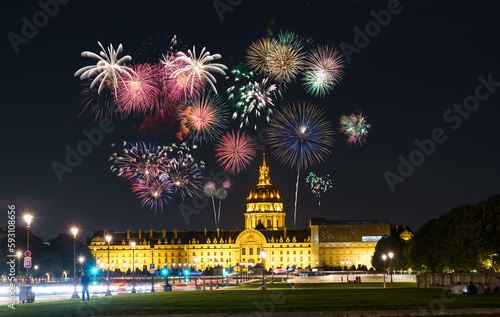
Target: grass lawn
278	297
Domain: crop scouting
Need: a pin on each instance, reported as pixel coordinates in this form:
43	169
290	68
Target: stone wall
430	280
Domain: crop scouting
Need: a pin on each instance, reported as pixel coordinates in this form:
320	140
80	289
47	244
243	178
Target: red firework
138	93
235	151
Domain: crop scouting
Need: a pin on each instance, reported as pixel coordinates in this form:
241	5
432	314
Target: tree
388	244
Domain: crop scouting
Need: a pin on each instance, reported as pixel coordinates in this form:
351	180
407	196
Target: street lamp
391	255
152	275
27	218
211	274
263	254
384	257
81	259
133	266
74	230
196	277
108	239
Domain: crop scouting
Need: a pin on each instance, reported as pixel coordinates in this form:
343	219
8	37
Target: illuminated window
250	251
258	250
243	251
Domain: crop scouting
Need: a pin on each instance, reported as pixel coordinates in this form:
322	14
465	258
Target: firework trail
318	184
300	136
355	128
210	190
235	151
108	68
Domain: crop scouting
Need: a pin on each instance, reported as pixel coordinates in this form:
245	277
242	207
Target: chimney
104	233
217	232
205	231
150	233
164	233
285	233
128	234
140	234
175	233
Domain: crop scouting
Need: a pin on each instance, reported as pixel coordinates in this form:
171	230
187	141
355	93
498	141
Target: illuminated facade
324	243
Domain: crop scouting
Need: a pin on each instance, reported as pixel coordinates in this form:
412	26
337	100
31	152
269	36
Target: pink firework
235	151
138	93
205	117
153	192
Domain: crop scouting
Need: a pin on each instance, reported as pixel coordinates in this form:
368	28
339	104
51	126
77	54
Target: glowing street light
384	257
263	254
108	239
74	231
27	218
391	255
133	266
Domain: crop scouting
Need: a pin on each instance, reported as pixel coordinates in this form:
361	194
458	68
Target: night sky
410	74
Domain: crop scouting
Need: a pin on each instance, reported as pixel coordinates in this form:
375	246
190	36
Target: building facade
324	243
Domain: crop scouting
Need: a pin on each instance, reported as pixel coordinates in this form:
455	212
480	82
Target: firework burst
300	136
259	102
199	69
139	92
318	184
153	192
258	55
205	117
325	68
140	161
284	62
108	68
355	128
235	151
185	175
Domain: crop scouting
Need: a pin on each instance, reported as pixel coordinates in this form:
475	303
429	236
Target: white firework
108	68
199	68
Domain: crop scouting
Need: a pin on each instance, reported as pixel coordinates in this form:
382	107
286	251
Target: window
269	223
208	253
281	259
272	252
287	252
258	251
281	252
250	251
294	252
300	251
243	251
201	253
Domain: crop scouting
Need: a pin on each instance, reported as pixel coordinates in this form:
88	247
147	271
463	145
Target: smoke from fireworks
318	184
355	128
235	151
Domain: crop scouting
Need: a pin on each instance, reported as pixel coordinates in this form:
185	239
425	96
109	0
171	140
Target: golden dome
264	192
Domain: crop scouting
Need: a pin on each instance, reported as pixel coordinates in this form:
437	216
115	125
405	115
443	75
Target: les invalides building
324	243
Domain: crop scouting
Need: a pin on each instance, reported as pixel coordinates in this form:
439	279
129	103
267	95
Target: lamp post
27	218
74	230
263	254
272	272
133	266
18	266
152	275
384	257
204	270
391	255
108	239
